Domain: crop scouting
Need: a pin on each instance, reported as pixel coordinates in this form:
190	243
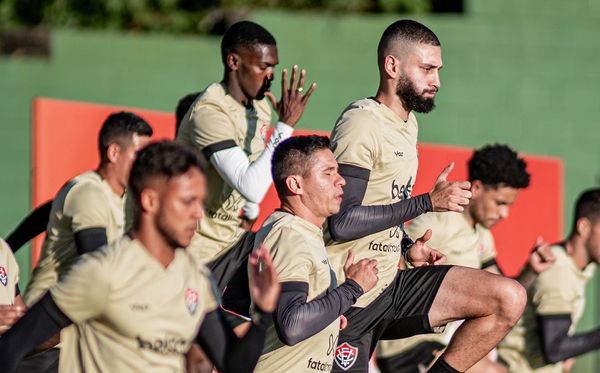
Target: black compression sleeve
295	319
558	345
229	353
33	224
41	322
90	239
356	221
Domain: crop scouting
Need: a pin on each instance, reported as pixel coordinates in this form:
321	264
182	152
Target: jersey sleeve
211	129
87	207
353	140
555	291
290	257
82	294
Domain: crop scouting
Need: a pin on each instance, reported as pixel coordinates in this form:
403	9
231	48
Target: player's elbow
338	229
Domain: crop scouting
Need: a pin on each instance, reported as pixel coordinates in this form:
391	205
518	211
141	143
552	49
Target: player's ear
232	61
294	184
112	152
476	188
583	227
149	201
391	65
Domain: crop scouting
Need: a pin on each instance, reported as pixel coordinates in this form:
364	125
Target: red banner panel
65	144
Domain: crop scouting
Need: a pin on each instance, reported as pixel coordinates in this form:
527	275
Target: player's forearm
229	353
296	320
41	322
251	179
355	220
558	345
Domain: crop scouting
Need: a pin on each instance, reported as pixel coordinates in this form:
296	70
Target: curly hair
498	165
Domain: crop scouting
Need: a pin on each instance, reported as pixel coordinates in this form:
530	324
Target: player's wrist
260	317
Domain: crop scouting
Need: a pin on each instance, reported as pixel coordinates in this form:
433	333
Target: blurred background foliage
184	16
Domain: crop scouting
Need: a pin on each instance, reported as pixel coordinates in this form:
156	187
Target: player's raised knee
512	299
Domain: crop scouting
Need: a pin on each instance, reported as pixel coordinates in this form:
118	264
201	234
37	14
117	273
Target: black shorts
401	311
415	360
225	267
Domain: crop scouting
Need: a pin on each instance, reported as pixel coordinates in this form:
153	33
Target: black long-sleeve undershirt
32	225
355	221
558	345
229	353
296	320
39	323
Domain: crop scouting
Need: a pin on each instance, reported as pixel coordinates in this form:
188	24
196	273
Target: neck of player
111	179
386	94
297	208
233	88
575	246
154	241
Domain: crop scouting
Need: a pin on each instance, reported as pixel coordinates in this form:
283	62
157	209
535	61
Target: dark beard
411	99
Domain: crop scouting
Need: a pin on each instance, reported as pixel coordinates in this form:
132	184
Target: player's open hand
541	257
449	195
293	98
264	285
364	272
420	254
9	314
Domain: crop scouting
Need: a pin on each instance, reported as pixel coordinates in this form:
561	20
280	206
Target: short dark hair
119	128
244	34
166	159
182	108
498	165
292	157
405	30
587	206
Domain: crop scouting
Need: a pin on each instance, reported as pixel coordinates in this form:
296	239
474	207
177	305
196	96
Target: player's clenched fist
364	272
449	196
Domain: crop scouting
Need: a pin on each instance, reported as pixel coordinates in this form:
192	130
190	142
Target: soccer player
88	211
227	125
496	174
545	336
374	142
307	317
12	306
138	302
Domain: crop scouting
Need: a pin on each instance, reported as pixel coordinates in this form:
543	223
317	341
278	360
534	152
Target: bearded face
412	99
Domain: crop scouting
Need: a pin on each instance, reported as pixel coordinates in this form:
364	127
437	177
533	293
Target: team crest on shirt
264	128
191	300
346	355
3	276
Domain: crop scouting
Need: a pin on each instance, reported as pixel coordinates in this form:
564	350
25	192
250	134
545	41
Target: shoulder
358	117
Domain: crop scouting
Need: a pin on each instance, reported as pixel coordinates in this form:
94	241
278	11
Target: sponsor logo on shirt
346	355
191	300
319	365
3	276
164	345
398	153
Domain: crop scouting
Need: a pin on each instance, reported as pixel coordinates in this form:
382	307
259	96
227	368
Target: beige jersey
299	255
462	244
371	136
86	201
216	121
131	314
9	274
558	291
